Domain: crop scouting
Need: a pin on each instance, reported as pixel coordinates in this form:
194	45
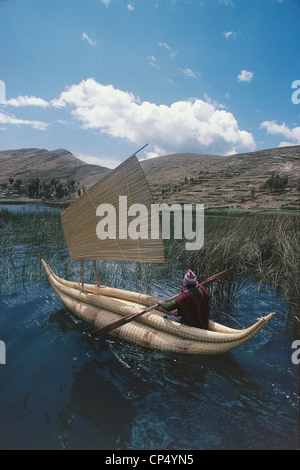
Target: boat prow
100	306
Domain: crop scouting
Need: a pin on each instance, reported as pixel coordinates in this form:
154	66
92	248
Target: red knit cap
189	278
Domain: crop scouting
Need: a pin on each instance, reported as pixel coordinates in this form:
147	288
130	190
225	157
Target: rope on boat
69	259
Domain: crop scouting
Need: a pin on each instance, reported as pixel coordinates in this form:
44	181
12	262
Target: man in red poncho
192	304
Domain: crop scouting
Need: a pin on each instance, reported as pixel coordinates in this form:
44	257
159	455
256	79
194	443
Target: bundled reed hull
100	306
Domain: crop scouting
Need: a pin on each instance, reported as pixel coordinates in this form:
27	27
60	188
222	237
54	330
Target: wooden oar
134	316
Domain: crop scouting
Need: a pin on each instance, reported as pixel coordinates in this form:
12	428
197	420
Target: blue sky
101	78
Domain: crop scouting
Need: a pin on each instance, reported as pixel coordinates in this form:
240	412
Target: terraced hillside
237	181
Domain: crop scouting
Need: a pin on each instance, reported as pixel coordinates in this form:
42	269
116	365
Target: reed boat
100	306
135	317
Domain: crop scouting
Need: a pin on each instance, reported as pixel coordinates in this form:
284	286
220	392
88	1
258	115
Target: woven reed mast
79	221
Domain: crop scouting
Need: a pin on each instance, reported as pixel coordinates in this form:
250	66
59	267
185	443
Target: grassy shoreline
19	201
249	213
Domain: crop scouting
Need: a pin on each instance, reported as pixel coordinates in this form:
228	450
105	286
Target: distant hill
67	173
262	180
28	164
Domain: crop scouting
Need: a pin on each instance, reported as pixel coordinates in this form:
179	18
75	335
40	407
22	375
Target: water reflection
171	368
99	401
65	320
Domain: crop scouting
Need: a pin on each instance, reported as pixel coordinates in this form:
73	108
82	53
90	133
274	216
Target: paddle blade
219	276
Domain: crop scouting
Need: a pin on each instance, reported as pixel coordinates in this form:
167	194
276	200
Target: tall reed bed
264	249
24	239
260	247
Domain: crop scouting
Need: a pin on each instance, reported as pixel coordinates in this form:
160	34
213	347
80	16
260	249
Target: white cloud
108	162
188	73
245	76
105	2
9	119
85	37
215	103
230	35
286	144
153	61
154	154
273	128
62	121
192	125
166	46
227	3
130	7
26	101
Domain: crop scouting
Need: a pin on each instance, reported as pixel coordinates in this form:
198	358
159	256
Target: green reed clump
25	239
4	214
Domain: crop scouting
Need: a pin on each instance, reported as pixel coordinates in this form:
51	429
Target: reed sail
80	220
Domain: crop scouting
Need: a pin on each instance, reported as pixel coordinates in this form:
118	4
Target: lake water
29	208
60	390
